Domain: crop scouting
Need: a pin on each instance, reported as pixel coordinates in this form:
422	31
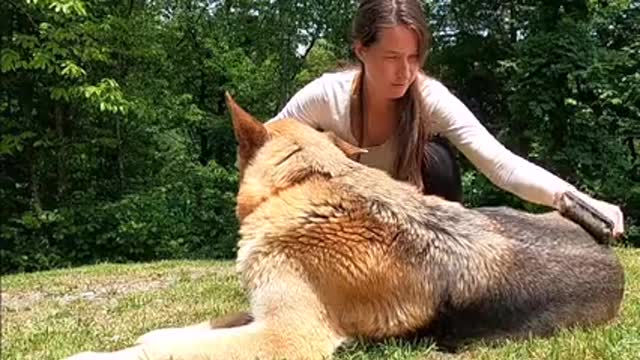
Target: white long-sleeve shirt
325	103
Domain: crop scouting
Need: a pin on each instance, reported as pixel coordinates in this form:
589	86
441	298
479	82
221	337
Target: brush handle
585	215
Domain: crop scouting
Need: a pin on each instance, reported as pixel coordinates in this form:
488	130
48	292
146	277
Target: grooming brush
585	215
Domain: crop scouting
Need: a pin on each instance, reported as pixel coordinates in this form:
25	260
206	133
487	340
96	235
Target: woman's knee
441	173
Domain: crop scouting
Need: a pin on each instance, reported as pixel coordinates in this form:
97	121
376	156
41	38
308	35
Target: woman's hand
611	211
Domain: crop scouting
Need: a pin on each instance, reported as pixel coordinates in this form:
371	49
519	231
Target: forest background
116	145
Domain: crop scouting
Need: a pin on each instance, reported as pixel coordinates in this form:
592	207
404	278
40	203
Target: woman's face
392	62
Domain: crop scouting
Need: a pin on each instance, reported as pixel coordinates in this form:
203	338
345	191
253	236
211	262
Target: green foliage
111	153
559	96
190	217
585	123
321	58
116	144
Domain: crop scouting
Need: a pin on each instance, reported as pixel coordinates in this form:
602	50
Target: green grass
50	315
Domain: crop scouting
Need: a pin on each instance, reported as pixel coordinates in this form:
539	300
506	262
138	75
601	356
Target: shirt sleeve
502	167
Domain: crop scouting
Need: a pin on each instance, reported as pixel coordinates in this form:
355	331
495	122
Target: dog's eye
298	149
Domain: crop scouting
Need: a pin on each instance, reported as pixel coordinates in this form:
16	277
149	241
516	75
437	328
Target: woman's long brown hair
412	132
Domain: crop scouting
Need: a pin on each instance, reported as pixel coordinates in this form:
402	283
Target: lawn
50	315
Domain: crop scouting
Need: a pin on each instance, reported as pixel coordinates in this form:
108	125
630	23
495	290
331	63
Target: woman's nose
404	70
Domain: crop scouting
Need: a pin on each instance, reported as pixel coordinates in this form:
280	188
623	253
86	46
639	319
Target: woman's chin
396	92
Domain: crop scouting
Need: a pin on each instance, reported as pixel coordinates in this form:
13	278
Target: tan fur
332	251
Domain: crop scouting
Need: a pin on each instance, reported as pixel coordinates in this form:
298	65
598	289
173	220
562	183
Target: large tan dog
333	251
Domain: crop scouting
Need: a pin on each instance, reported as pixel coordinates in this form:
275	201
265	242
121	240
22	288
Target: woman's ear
359	50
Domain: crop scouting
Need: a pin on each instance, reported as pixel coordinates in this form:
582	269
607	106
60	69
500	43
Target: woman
390	107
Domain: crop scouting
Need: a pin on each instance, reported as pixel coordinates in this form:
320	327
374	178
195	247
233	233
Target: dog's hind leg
231	320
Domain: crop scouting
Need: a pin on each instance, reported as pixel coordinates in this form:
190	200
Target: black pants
440	171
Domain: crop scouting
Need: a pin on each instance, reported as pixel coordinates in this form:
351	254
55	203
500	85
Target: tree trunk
34	180
62	153
513	30
120	157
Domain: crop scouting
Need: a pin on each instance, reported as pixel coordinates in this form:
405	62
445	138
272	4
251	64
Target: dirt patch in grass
102	286
96	292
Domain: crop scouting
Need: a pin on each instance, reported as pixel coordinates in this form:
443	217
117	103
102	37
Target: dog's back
494	272
558	277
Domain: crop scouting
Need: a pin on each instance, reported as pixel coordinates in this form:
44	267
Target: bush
192	217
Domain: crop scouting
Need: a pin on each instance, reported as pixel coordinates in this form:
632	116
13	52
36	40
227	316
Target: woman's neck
380	116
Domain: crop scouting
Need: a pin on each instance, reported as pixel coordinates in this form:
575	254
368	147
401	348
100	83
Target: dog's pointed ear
250	133
347	148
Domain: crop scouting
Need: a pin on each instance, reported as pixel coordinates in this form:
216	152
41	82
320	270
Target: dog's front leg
131	353
257	340
290	323
227	321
